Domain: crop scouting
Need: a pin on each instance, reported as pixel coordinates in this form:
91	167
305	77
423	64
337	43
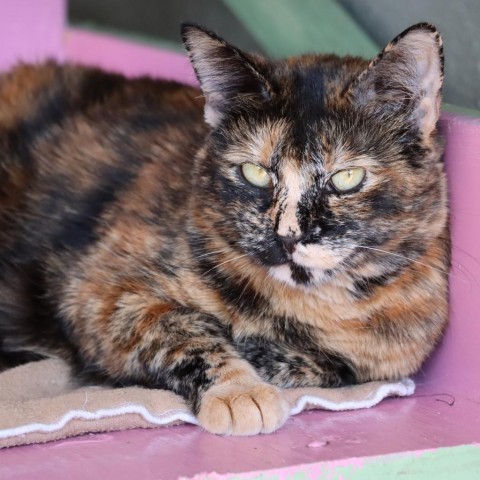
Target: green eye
256	175
346	180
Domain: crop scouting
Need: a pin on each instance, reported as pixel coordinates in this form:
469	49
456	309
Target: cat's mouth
315	256
297	275
308	265
300	275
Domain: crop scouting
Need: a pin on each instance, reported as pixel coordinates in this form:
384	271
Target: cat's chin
287	273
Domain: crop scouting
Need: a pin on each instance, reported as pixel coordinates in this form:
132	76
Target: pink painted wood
125	57
31	31
445	411
455	365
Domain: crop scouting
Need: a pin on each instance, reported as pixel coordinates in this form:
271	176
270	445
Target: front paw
249	409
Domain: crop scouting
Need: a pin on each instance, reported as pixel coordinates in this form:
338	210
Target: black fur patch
366	287
77	229
289	368
299	274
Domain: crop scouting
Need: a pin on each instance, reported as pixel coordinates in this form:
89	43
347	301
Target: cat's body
132	244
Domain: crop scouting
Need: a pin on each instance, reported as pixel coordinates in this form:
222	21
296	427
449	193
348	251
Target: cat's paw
243	409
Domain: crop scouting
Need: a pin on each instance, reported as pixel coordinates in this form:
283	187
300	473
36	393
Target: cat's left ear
226	75
406	78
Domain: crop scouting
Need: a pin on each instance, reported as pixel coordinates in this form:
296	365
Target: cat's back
73	139
27	88
50	100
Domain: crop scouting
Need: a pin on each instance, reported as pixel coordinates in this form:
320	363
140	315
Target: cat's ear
406	78
226	75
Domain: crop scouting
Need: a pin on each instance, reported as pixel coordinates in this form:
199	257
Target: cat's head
316	164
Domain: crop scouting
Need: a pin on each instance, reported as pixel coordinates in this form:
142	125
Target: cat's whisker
402	256
464	252
215	252
465	212
463	269
223	263
413	261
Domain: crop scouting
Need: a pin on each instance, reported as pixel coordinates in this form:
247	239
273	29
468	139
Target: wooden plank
469	112
461	463
116	54
460	344
30	31
133	38
286	27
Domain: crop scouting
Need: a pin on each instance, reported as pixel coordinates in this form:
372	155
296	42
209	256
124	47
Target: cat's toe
243	409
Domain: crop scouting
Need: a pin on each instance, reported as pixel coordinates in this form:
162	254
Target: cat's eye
348	179
256	175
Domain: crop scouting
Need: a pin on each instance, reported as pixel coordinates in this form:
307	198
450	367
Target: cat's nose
289	243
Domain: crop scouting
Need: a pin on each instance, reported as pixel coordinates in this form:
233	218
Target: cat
284	226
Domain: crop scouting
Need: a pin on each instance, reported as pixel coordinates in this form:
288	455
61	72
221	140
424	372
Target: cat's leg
165	346
289	366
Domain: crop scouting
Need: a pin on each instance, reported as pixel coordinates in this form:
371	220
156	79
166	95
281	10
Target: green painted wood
178	47
459	463
291	27
469	112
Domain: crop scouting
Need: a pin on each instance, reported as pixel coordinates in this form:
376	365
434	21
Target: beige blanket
39	402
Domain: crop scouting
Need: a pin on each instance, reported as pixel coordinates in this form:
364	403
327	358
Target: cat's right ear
228	78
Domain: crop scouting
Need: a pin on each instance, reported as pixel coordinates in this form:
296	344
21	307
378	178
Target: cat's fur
132	246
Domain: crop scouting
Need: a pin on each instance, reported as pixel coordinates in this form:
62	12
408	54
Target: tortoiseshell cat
296	237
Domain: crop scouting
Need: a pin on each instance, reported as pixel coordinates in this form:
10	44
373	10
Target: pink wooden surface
426	420
456	365
30	30
397	425
110	53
